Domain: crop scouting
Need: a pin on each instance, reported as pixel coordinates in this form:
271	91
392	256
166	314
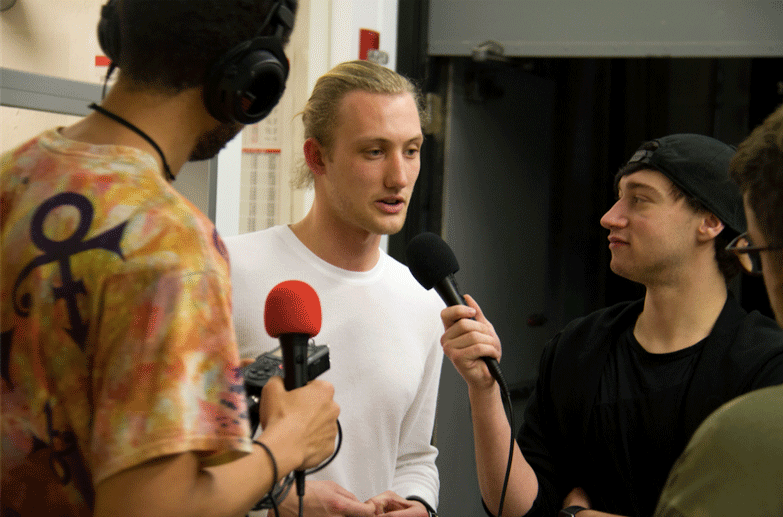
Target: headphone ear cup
109	30
247	83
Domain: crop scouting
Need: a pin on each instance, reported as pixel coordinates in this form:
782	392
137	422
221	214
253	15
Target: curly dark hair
757	168
170	44
728	263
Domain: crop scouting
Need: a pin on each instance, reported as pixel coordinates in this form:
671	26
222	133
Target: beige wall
59	38
33	39
51	37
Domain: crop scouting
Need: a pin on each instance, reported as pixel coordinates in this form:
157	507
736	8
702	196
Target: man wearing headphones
121	388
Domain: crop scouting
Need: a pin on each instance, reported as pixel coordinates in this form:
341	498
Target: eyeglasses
748	254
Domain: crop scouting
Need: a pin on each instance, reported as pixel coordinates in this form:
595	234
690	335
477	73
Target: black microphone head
430	259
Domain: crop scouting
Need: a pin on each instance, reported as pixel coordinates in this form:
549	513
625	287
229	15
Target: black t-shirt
636	427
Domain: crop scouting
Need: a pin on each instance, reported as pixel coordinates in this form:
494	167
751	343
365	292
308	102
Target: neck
680	315
339	246
161	117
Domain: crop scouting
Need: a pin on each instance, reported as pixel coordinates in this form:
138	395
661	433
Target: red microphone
292	314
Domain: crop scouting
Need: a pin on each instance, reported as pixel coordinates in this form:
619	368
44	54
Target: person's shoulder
19	162
251	237
762	322
587	334
404	280
761	330
605	317
23	147
172	225
759	412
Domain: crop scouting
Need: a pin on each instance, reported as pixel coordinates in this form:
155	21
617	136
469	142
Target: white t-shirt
383	330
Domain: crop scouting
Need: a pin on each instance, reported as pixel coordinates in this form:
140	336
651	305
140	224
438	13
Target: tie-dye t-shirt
117	344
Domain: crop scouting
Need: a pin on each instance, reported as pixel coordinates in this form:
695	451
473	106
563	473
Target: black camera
270	364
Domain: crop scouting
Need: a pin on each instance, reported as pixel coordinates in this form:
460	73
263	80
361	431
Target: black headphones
246	82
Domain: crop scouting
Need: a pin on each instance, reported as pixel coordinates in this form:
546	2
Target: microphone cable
432	263
506	397
280	490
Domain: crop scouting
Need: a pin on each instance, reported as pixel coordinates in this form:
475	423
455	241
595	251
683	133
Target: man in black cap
621	390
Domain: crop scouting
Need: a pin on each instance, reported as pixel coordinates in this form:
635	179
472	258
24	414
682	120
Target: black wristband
433	513
571	511
274	463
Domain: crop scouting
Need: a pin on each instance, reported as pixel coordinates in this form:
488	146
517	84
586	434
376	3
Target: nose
400	170
614	217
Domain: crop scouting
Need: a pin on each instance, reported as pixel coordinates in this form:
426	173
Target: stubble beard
211	142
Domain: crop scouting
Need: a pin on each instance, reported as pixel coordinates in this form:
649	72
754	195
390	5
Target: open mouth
391	205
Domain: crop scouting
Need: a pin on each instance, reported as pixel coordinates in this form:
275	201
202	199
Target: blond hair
320	112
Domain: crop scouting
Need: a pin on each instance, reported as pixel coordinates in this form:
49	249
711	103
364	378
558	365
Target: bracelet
432	512
274	463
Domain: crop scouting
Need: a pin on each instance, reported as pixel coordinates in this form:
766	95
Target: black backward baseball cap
699	166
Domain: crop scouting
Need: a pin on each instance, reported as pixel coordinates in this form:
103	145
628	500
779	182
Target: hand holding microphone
468	341
433	264
292	314
306	417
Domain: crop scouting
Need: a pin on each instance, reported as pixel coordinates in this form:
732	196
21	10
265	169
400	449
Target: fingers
309	414
271	400
329	498
466	332
389	502
468	338
402	508
358	509
451	315
323	387
479	316
470	347
319	395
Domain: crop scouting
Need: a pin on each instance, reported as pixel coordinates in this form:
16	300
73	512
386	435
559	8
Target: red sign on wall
368	40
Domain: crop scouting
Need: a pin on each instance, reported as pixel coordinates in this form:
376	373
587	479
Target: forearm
179	485
235	487
417	475
492	434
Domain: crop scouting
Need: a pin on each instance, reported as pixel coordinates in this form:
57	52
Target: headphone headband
246	82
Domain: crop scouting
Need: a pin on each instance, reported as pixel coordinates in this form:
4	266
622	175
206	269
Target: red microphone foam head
292	307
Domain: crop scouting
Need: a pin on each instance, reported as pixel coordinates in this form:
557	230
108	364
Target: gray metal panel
609	28
46	93
498	169
212	203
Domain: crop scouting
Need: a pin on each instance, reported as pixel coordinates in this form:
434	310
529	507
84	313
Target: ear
709	228
314	156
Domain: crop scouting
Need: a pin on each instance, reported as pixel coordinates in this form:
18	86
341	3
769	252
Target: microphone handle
447	289
294	348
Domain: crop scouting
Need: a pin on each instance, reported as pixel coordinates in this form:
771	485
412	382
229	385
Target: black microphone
433	264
